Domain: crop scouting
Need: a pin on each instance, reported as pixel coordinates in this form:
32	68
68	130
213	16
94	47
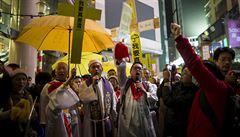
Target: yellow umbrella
83	67
110	65
52	33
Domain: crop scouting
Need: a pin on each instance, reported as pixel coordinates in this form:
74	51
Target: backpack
232	116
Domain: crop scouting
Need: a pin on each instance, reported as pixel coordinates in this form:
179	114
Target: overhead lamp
42	7
93	1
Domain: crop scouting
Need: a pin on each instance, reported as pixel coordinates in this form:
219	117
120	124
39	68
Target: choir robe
58	122
107	107
135	119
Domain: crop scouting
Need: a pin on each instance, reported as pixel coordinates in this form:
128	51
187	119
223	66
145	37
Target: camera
237	73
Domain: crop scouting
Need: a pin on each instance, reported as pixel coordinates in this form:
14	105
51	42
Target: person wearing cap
98	97
14	114
135	119
114	81
55	100
111	72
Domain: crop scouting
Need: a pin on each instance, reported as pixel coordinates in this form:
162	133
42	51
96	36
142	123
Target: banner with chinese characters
136	47
234	33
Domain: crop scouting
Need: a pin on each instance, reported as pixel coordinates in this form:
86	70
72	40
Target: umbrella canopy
110	65
52	33
83	67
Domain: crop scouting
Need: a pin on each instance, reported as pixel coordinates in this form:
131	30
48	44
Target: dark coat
178	100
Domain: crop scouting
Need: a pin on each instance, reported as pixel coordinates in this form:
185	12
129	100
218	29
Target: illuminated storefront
8	26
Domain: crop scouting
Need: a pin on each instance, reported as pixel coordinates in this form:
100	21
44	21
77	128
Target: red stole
67	125
136	94
117	92
54	85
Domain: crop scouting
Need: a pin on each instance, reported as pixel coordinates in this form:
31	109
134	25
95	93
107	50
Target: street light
42	7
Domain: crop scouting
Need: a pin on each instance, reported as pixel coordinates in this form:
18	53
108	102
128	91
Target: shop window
4	49
5	9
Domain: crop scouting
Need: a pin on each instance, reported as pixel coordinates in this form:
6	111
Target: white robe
52	109
136	120
44	99
87	95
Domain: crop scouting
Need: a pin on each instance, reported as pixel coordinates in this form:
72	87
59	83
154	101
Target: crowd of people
195	102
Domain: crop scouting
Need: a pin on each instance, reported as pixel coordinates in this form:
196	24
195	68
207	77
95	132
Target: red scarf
136	94
117	92
54	85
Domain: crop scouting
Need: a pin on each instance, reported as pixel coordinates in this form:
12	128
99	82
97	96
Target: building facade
223	25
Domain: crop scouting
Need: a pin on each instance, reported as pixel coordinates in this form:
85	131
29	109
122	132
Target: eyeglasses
137	68
225	59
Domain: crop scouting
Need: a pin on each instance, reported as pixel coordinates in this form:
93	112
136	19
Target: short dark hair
111	70
219	51
43	78
136	62
13	66
76	77
86	76
174	68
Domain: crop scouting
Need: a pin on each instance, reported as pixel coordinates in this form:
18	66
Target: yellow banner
136	47
148	61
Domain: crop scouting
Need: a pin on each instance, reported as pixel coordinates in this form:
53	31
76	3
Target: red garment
136	94
117	92
54	85
121	51
67	125
216	93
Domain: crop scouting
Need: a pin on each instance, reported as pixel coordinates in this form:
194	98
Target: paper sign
125	22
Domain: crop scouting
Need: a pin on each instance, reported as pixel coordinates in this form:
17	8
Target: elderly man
98	97
55	100
134	117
